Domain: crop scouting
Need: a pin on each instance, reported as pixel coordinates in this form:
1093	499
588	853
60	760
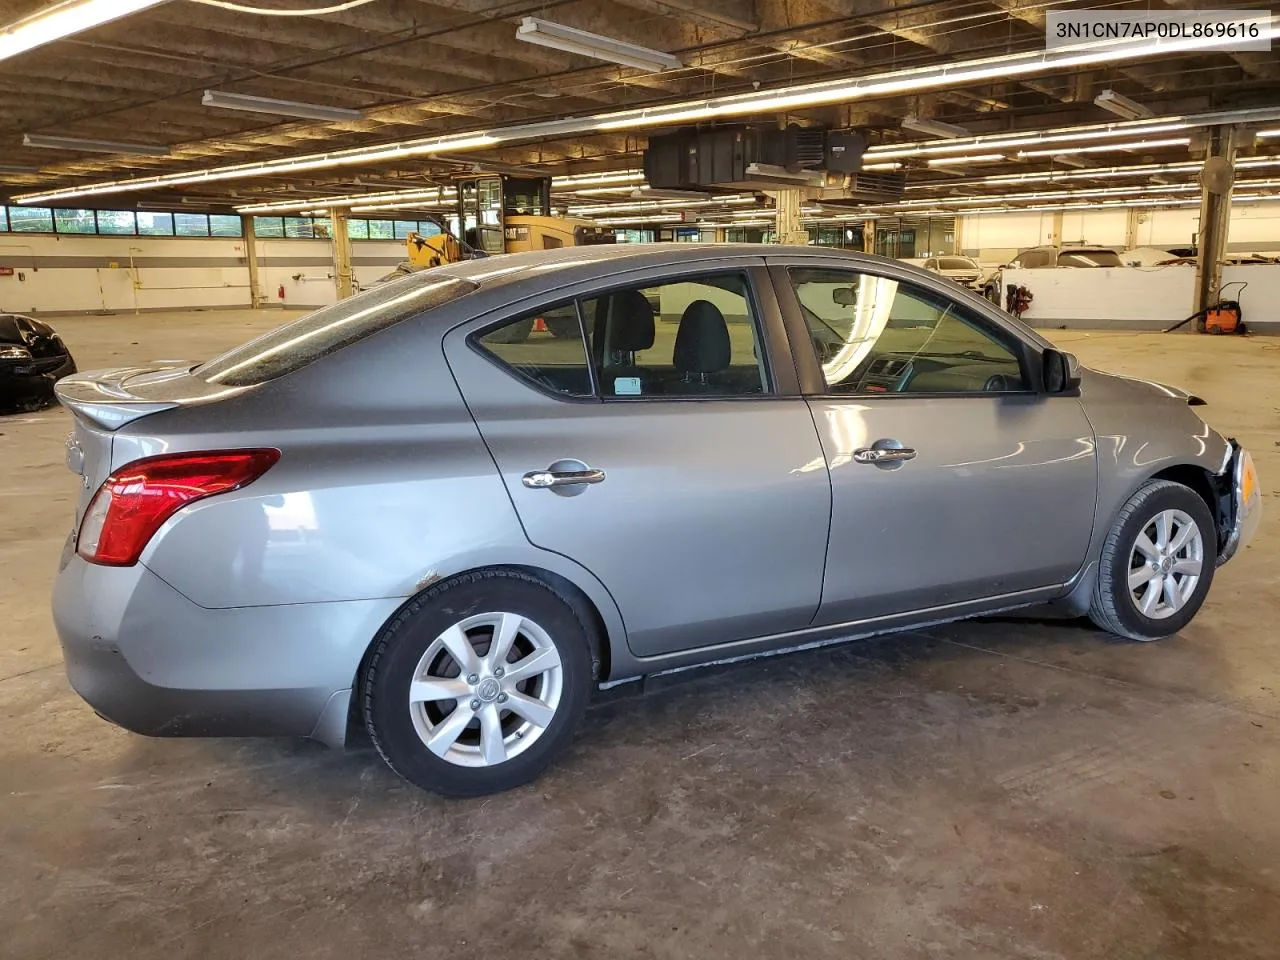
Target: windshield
956	263
1089	258
294	345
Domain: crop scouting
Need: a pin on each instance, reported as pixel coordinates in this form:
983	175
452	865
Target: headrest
702	340
632	322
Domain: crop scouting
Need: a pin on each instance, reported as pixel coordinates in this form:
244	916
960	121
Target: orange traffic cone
539	325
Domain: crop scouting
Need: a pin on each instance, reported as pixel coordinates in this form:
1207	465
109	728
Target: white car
963	270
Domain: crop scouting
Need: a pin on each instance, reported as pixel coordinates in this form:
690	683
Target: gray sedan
449	508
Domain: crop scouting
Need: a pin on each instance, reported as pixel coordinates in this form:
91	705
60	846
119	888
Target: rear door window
294	345
544	347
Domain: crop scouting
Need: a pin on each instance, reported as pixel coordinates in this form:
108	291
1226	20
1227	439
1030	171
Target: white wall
1152	298
997	237
93	274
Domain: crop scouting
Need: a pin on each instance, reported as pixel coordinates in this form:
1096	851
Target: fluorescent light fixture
934	128
1265	134
63	20
572	40
1122	106
1105	148
427	195
842	90
976	158
1067	160
591	179
42	142
874	167
658	205
224	100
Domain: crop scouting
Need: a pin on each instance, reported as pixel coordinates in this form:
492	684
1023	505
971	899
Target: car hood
1115	386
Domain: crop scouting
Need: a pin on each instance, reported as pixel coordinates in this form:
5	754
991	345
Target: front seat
631	329
702	347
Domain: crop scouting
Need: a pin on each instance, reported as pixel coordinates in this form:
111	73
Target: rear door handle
547	479
883	455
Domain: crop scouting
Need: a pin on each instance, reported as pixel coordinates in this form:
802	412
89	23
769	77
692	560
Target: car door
652	430
954	480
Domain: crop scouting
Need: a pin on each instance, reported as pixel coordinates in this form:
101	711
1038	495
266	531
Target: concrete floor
983	790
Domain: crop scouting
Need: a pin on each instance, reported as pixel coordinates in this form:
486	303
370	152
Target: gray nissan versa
450	507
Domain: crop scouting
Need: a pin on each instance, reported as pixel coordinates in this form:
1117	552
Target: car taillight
133	502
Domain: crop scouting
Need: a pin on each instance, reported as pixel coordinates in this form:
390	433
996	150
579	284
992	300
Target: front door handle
883	456
548	479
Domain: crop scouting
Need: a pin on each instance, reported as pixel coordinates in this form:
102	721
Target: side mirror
1061	371
844	296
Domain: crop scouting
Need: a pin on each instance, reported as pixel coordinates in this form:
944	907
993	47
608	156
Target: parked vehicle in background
32	358
963	270
1037	258
392	509
1157	256
1049	257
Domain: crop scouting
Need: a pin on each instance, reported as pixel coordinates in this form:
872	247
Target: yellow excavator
503	214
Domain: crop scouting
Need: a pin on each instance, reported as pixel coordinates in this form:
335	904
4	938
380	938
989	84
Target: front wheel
1157	563
476	685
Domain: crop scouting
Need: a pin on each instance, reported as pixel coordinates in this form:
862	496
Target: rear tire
452	714
1157	563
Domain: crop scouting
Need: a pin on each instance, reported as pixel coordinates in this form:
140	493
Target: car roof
513	266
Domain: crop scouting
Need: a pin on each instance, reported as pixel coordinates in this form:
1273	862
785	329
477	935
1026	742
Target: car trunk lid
103	401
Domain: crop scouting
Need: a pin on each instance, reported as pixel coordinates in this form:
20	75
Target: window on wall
191	224
358	229
116	222
428	228
4	219
31	220
155	224
74	221
405	227
381	230
299	228
224	225
268	227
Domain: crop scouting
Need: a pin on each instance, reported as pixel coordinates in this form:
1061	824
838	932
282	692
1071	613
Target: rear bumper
1240	481
148	659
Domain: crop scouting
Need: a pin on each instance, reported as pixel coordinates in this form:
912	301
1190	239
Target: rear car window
294	345
1089	258
955	263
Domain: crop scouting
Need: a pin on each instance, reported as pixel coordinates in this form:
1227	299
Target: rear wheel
1157	563
477	684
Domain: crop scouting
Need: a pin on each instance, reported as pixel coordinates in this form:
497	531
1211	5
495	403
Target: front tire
477	684
1157	563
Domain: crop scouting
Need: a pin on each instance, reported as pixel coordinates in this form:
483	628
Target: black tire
404	641
1113	608
512	333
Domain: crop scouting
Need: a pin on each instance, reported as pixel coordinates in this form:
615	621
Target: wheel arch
602	630
1204	483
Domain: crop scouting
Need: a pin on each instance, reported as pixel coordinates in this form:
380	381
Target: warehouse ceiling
415	68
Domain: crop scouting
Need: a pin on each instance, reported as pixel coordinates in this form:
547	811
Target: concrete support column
1132	221
957	236
719	234
1216	178
251	259
343	279
787	212
869	236
1055	237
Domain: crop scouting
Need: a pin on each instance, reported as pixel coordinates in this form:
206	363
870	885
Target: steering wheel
1000	383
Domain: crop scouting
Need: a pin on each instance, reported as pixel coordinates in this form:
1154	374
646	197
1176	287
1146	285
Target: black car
32	358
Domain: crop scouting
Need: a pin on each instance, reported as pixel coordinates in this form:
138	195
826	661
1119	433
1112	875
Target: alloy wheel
1165	564
486	689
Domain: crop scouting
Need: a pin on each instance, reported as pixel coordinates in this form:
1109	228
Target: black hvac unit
724	156
843	151
864	188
